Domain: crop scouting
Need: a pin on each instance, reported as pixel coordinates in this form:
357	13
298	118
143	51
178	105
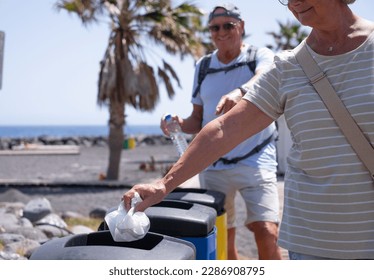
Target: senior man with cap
250	168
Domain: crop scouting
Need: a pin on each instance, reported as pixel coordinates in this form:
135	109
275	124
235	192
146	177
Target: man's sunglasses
226	26
284	2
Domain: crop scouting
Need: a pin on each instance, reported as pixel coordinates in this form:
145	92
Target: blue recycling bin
191	222
211	198
101	246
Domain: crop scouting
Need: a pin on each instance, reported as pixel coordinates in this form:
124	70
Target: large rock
53	226
36	209
23	247
6	238
7	255
30	233
13	195
98	213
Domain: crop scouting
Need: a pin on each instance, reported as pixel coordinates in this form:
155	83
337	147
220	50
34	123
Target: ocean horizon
20	131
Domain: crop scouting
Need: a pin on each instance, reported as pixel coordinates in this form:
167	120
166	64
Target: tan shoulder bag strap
339	112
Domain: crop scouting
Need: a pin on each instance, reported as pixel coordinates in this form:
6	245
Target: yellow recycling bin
221	225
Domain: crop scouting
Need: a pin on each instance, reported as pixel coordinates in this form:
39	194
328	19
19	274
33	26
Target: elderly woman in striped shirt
329	194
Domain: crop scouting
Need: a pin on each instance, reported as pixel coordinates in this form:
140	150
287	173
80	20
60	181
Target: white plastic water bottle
176	134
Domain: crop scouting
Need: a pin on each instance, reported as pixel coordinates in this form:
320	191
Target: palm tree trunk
116	138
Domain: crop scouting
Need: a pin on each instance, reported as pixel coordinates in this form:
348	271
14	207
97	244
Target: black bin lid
101	246
211	198
181	219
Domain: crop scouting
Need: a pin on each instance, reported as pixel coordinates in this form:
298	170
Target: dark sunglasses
226	26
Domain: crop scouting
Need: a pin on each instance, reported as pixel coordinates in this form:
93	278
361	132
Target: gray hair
348	1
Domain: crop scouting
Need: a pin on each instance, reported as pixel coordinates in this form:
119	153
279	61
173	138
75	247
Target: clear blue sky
51	62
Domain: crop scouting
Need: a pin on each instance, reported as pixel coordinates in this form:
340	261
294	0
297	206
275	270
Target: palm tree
126	76
289	36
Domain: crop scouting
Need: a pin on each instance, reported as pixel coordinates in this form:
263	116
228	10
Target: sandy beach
72	181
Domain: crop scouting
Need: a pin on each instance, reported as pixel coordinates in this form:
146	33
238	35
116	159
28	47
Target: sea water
73	130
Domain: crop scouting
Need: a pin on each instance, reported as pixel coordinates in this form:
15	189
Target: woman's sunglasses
226	26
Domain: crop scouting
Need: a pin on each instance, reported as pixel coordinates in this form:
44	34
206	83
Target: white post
2	39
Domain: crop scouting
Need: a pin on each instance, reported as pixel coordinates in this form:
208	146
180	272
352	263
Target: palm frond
125	76
168	67
166	79
107	78
289	36
87	10
148	88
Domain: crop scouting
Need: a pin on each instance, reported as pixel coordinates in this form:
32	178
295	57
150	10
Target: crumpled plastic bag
127	226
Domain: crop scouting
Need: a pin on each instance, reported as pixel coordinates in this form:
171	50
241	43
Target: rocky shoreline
9	143
26	223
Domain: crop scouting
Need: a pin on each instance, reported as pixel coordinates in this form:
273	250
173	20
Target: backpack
205	70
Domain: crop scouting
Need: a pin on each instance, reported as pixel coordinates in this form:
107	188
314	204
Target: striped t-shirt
329	194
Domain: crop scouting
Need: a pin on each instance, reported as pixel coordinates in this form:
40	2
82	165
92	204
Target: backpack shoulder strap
251	58
203	71
205	62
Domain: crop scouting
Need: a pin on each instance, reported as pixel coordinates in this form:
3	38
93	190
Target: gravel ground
72	182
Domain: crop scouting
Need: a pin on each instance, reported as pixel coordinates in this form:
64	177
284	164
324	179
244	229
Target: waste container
129	143
211	198
101	246
188	221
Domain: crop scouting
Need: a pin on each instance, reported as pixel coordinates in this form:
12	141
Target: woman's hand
149	193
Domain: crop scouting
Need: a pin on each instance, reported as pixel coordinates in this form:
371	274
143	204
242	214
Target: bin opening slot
104	238
176	204
193	190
